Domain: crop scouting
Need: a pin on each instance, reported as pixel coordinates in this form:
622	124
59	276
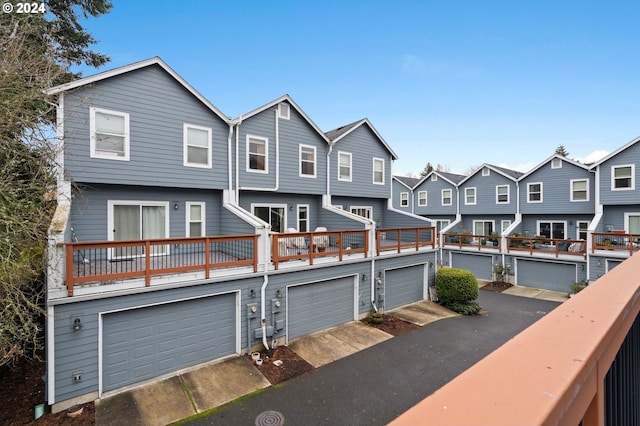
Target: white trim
308	219
586	229
475	196
633	177
95	153
349	155
483	221
558	162
373	177
110	218
508	194
551	222
529	192
502	225
404	199
367	208
185	146
426	200
266	154
187	215
486	171
284	111
434	177
450	197
300	161
271	206
572	190
626	220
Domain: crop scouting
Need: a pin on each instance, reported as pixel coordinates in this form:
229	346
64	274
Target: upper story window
307	161
534	192
378	171
446	197
284	111
580	190
257	148
486	171
623	177
434	178
470	196
502	194
109	134
422	198
197	146
344	166
404	199
556	163
195	219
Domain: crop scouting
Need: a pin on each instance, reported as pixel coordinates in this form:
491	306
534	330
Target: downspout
229	156
238	159
263	316
595	221
373	285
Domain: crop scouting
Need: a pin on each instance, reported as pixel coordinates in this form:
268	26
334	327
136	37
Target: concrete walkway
212	385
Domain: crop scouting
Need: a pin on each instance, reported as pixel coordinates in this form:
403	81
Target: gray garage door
318	306
480	266
144	343
403	286
546	275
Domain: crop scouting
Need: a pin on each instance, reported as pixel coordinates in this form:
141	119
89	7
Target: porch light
278	294
175	206
364	277
77	325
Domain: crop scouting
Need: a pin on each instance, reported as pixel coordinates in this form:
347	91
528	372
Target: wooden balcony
617	241
554	246
397	239
460	240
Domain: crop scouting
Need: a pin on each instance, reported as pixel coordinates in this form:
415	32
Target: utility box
257	333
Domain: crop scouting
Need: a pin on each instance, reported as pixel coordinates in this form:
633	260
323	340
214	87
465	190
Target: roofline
295	105
441	176
401	182
156	60
568	160
492	168
373	129
616	152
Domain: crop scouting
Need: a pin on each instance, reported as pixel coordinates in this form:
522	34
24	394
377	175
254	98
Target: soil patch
497	286
22	388
392	325
292	364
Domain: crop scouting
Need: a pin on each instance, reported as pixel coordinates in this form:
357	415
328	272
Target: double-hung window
344	166
446	197
404	199
378	171
257	148
502	194
109	134
579	190
197	146
307	161
534	192
422	198
195	219
470	196
623	177
582	227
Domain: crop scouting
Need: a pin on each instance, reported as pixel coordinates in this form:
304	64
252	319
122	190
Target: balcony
579	364
617	241
552	246
399	239
473	241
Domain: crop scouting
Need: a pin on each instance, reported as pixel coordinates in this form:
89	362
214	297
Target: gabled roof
155	61
452	178
514	175
341	132
616	152
288	99
409	182
548	160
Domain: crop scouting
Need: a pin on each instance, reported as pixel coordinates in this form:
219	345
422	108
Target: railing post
255	253
147	263
275	253
69	268
207	255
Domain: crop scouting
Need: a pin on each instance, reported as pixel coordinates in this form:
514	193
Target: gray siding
556	190
392	219
291	201
529	224
631	155
434	198
480	265
467	222
158	107
378	206
398	189
486	194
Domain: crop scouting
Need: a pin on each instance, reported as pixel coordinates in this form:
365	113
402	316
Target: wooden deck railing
617	241
471	240
115	260
555	246
578	364
311	245
399	238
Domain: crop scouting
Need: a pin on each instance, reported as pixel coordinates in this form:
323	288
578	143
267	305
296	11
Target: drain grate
270	418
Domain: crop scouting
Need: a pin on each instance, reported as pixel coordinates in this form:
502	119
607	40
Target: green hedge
457	289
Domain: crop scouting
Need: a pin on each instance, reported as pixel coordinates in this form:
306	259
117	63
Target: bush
457	290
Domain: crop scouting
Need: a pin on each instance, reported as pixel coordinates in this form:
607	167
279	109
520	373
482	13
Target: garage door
144	343
318	306
546	275
404	286
480	266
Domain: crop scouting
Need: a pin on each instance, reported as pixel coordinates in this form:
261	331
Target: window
534	192
137	220
303	218
482	227
486	171
195	219
556	163
552	229
307	161
274	215
580	190
632	223
623	177
284	111
581	231
362	211
502	194
404	199
378	171
434	178
446	197
344	166
257	154
109	134
504	224
441	224
422	198
197	146
470	196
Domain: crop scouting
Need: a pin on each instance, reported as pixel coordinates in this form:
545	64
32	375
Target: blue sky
456	83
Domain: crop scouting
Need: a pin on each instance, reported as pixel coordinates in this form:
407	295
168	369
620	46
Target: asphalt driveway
375	385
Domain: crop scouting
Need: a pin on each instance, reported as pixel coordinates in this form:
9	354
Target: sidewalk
212	385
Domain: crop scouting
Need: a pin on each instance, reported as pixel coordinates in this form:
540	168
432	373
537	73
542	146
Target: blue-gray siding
546	275
486	194
631	155
434	198
480	265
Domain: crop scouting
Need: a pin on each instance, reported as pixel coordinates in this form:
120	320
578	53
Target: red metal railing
616	240
555	246
114	260
399	238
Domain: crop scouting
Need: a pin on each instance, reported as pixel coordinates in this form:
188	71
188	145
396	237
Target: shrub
457	290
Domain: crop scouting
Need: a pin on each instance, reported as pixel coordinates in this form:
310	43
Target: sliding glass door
138	221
